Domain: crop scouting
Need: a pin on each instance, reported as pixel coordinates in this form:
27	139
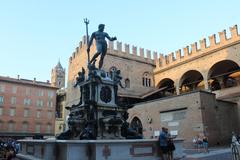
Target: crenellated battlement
147	56
132	52
198	49
117	49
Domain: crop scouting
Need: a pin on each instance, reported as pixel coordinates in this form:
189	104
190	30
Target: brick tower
58	76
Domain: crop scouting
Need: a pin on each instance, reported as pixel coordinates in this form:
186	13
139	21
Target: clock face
106	94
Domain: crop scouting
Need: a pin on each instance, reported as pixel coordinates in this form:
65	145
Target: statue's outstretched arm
110	38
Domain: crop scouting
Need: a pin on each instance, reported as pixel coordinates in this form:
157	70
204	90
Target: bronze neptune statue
101	44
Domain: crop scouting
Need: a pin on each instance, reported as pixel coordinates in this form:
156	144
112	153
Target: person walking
171	147
205	144
163	141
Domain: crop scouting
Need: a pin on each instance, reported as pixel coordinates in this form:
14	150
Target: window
11	126
26	113
50	94
12	112
25	127
2	87
49	128
28	91
59	112
40	93
127	83
50	103
1	100
27	102
14	89
13	100
39	103
38	128
146	80
1	111
38	114
49	114
1	124
59	83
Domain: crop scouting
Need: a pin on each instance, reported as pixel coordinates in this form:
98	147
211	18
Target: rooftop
27	82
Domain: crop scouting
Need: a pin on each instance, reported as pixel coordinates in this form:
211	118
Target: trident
86	21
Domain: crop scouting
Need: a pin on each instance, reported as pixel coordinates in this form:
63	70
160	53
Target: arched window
127	83
146	80
136	124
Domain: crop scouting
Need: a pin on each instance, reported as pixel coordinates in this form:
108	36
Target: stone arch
167	85
224	74
191	80
136	124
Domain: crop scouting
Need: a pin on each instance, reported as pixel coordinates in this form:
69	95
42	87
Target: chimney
18	76
34	80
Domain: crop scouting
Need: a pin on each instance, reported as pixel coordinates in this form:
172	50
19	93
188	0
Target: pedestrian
163	141
205	144
238	138
199	143
235	138
171	147
194	140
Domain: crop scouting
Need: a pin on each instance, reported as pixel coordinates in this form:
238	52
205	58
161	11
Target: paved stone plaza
220	153
214	154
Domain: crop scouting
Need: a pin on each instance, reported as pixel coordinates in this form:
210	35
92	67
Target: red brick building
27	107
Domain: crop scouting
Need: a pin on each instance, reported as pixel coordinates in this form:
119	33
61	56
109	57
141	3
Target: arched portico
167	86
191	80
224	74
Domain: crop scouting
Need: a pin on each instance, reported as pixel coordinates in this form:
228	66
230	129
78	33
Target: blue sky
34	34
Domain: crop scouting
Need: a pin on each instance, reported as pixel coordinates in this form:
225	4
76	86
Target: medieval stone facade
136	70
200	86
